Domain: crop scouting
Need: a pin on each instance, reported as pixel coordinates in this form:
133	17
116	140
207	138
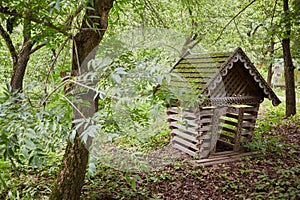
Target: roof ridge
239	55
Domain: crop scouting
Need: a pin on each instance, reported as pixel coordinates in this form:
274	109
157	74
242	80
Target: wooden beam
175	132
184	142
185	150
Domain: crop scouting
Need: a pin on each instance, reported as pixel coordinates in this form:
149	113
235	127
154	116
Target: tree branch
231	20
38	47
150	6
54	61
6	11
9	44
71	17
238	30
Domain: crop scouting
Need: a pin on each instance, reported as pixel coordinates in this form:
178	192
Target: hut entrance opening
204	130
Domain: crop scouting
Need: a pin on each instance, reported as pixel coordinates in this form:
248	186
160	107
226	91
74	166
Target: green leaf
94	16
30	133
57	5
29	144
72	136
116	78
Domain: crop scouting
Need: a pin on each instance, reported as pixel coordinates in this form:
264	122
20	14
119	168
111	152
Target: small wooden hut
229	90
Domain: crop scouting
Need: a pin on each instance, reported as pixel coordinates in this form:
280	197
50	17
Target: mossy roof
199	71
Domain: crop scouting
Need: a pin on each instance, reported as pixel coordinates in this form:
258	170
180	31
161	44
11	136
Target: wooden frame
231	90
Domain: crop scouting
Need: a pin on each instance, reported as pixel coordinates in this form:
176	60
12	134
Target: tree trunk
20	59
19	67
288	66
73	168
270	68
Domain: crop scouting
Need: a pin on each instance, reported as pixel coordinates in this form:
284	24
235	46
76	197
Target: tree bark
19	60
288	66
73	168
270	68
19	67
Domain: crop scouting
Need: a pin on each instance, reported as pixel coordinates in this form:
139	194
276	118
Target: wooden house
229	90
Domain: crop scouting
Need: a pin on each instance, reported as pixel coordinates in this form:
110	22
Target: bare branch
70	102
231	20
55	59
9	44
238	30
53	91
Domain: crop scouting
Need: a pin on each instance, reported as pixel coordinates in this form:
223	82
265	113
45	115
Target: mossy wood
230	90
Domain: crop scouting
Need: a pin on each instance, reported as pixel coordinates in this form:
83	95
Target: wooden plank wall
198	131
184	129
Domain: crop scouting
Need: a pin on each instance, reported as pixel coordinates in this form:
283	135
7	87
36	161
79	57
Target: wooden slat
182	148
224	153
227	129
234	116
189	79
172	110
209	60
175	132
240	89
179	126
251	109
227	158
248	124
249	117
206	120
230	122
188	114
232	110
205	128
221	156
233	87
204	137
184	142
172	118
207	111
205	115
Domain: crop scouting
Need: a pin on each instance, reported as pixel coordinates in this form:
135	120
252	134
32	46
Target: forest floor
274	173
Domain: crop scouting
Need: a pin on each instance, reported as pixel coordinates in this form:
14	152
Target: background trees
44	38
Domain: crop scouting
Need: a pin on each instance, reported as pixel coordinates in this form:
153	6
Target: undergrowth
272	174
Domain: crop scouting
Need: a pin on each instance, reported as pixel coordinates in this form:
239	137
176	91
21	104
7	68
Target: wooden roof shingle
205	72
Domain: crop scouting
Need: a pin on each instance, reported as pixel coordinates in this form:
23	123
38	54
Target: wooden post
238	134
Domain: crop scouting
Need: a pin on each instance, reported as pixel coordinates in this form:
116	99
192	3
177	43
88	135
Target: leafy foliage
131	114
28	134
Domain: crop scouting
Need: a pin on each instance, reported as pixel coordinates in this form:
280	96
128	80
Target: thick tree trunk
288	67
73	168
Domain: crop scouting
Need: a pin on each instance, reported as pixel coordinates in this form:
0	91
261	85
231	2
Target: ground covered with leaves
274	173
